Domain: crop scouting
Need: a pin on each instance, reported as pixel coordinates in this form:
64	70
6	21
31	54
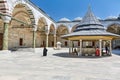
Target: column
100	46
54	40
70	47
80	47
34	36
47	34
5	36
6	20
34	39
110	45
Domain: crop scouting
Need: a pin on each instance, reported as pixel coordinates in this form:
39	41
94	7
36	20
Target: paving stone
57	65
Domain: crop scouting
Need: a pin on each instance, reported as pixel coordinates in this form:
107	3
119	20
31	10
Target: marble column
47	34
70	47
34	36
6	20
55	40
34	39
110	45
80	47
100	46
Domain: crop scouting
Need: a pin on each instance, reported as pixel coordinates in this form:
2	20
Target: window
21	41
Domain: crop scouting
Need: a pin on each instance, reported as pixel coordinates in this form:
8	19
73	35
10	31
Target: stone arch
115	28
62	30
74	27
29	11
51	35
20	34
4	7
41	32
64	27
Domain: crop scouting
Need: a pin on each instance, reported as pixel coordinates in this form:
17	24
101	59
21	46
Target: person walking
44	51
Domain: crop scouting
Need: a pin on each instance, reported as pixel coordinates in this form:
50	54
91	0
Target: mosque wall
31	14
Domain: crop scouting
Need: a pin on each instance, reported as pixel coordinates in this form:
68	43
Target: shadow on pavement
116	52
67	55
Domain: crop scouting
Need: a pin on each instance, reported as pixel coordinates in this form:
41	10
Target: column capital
47	33
80	40
6	19
54	35
34	28
100	39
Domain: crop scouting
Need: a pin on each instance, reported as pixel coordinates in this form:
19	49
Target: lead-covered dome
64	20
90	22
77	19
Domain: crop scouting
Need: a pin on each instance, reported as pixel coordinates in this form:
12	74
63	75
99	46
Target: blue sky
71	9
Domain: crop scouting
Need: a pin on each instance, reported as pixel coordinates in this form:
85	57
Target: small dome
78	19
98	18
111	17
64	19
59	43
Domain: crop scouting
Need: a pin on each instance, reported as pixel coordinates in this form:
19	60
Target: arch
51	35
52	29
42	25
62	30
22	16
74	27
19	4
4	8
41	32
115	28
20	34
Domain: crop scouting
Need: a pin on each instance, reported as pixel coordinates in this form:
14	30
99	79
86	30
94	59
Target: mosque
23	24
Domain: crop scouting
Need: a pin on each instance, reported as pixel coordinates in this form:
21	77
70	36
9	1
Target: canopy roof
86	33
90	26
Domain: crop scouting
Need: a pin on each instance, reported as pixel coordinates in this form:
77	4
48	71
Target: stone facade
22	16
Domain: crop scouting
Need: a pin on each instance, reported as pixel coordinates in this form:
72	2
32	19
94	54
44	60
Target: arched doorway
115	28
62	30
41	33
51	35
20	34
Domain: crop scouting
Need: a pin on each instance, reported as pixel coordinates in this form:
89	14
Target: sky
71	9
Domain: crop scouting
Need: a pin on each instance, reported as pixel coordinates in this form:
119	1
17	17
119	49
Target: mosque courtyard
57	65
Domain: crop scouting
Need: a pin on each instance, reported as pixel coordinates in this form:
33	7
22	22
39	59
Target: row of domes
79	19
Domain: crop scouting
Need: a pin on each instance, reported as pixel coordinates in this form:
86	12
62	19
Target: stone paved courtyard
24	65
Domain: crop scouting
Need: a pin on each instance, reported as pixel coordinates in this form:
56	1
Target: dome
64	19
111	17
90	22
78	19
98	18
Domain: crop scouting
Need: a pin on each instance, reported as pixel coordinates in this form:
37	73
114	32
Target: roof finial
89	8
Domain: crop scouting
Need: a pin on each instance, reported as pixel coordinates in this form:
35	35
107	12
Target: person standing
106	49
44	51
